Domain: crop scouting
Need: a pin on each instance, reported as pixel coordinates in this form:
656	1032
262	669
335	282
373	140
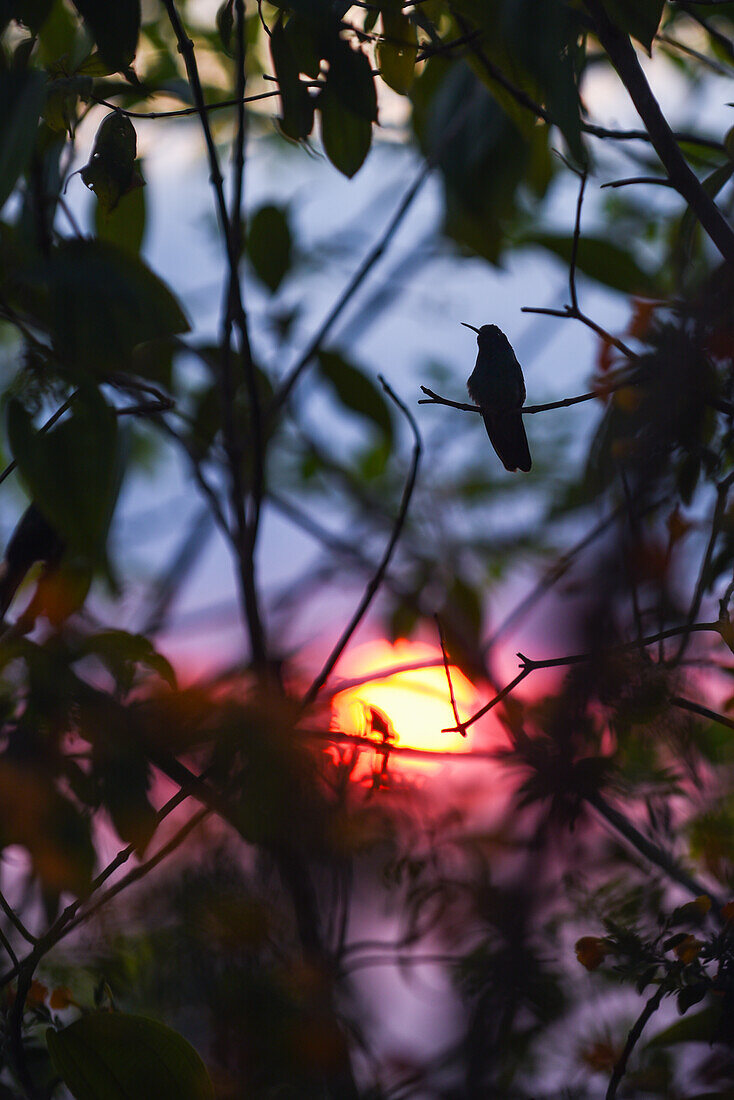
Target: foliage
617	775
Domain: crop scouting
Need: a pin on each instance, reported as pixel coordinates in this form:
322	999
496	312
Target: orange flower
688	949
61	998
727	912
37	994
591	951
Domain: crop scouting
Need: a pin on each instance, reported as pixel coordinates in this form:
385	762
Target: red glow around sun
416	701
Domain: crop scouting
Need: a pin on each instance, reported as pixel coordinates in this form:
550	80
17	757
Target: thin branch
377	579
661	181
15	920
722	496
652	852
704	712
447	669
620	1068
528	665
180	112
575	245
624	59
369	261
462	727
577	315
527	410
44	428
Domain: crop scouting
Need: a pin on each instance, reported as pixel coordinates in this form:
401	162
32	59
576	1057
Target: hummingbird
497	386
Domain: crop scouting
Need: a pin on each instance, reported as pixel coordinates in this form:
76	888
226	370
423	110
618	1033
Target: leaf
97	303
639	18
355	390
350	80
397	51
115	1056
115	28
225	25
699	1028
125	225
346	136
599	259
31	13
269	245
21	101
71	471
121	652
297	117
112	172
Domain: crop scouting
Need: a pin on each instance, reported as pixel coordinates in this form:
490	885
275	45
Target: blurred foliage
247	945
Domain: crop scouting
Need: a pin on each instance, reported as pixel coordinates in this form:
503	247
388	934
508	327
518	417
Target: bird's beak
472	327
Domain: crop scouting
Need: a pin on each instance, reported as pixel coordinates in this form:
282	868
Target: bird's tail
506	432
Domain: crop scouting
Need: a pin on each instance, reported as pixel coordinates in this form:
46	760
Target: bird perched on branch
497	386
34	540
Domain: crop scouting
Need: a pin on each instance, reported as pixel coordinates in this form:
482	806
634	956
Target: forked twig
447	669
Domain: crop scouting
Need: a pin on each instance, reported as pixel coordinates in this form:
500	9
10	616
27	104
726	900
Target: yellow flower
591	951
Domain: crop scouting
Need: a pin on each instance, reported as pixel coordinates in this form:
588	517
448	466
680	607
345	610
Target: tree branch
624	59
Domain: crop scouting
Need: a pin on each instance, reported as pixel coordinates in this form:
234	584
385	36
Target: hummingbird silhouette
497	386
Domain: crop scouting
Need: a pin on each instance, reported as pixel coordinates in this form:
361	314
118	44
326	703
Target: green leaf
599	259
269	245
356	391
397	51
225	25
21	101
97	303
112	172
346	136
71	471
640	18
114	1056
115	28
125	225
297	118
121	652
699	1028
350	80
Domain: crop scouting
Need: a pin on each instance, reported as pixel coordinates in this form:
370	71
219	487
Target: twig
704	712
527	410
44	428
662	181
577	315
722	495
462	727
448	675
15	920
575	244
377	579
180	112
620	1068
369	261
624	59
529	665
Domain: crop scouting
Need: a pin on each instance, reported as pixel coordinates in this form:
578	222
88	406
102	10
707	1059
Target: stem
620	1068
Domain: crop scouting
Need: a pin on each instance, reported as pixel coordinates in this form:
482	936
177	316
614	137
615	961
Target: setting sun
415	700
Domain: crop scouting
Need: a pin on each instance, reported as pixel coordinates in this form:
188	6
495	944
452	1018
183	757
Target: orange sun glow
416	701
